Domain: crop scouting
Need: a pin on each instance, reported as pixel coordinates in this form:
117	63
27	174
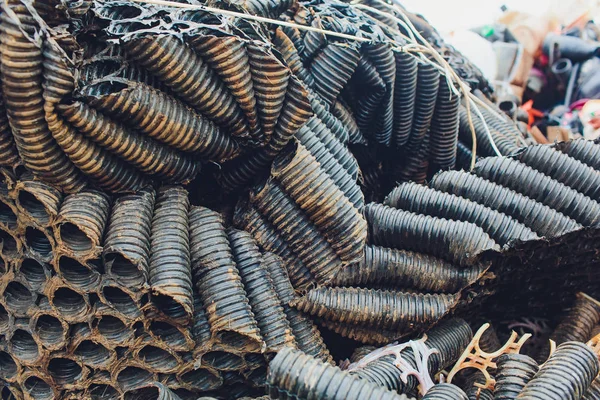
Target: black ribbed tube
335	125
229	58
308	337
327	128
272	322
189	76
331	165
9	155
428	82
295	112
81	222
401	269
126	250
299	232
445	391
289	52
505	145
22	70
456	241
376	308
170	271
141	151
271	81
593	392
586	151
449	337
332	67
443	132
293	373
423	200
523	179
247	217
38	201
540	218
218	282
563	168
161	117
566	375
514	372
405	91
355	136
578	323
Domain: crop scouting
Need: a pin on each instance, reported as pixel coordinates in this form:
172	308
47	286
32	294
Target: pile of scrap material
227	200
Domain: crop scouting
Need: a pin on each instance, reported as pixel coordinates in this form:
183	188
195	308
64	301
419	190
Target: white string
236	14
442	65
374	10
450	73
497	116
472	99
471	95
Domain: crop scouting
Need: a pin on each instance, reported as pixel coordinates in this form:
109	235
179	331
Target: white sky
446	15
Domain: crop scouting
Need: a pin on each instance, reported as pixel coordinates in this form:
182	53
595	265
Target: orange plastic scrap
474	357
421	354
532	112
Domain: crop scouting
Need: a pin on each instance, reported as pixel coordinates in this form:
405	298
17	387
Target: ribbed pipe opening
69	303
64	371
133	377
74	238
37	241
34	207
7	215
508	106
258	376
254	360
17	297
123	269
562	66
77	274
107	86
120	300
157	358
23	346
200	379
33	272
167	332
112	328
3	319
145	393
103	392
4	182
8	366
223	360
234	339
168	306
92	353
49	330
9	243
38	388
10	393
